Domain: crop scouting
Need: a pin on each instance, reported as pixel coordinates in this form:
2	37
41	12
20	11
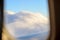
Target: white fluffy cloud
9	12
26	23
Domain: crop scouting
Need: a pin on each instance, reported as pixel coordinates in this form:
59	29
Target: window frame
52	20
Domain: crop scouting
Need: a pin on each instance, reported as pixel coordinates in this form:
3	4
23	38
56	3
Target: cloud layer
25	23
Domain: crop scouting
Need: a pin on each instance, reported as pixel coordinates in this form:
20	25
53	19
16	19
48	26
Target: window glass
26	19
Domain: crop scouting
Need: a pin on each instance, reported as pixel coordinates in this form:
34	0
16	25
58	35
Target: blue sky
29	5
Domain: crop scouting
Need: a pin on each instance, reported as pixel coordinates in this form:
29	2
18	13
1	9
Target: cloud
9	12
9	16
25	23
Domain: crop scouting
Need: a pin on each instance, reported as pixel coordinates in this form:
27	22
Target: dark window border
52	20
54	9
1	18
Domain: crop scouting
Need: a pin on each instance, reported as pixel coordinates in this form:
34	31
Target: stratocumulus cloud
26	23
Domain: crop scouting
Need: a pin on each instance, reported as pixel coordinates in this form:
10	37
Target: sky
29	5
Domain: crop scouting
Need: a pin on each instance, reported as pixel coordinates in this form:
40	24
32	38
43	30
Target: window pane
26	19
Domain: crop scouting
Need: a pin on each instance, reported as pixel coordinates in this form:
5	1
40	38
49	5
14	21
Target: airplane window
26	20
